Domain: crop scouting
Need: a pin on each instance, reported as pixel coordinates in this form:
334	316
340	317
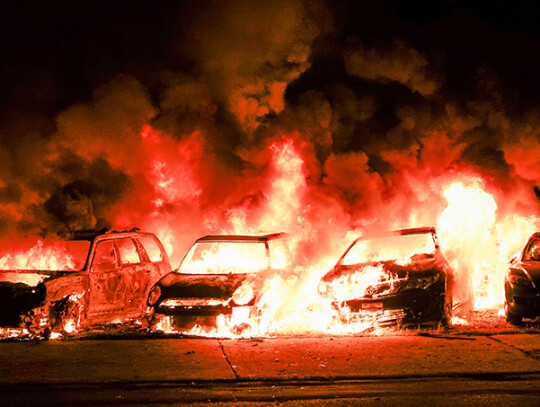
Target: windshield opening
225	258
400	248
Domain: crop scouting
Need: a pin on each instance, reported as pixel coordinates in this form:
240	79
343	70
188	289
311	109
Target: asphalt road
398	369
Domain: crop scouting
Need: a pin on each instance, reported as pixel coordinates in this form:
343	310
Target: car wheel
37	330
70	318
148	319
514	319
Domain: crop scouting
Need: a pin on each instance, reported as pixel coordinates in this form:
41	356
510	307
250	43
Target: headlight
323	288
422	282
243	295
519	279
154	295
190	302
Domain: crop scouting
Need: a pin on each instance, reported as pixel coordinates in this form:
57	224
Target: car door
136	275
107	288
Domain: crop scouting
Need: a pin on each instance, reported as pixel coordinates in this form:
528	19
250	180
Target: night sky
56	53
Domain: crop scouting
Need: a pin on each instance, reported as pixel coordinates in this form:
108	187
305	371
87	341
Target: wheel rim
70	319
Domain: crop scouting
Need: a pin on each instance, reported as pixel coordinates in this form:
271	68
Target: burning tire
70	318
67	314
37	326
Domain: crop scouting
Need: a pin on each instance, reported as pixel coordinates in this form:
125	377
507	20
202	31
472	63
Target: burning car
98	277
221	275
394	277
522	283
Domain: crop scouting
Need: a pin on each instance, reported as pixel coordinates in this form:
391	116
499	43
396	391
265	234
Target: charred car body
99	277
219	275
522	283
395	277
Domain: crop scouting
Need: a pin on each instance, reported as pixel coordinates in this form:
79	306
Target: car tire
513	319
39	332
69	318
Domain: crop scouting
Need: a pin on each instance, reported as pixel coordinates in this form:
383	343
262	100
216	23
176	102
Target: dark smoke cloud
109	125
247	53
398	63
85	202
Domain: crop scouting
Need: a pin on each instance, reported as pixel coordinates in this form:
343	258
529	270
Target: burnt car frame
411	291
522	283
110	283
197	294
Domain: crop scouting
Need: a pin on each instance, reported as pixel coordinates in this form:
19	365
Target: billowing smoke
248	53
398	63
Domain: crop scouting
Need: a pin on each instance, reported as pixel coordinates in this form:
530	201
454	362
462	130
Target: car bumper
407	307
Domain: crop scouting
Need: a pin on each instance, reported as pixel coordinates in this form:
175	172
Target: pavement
163	371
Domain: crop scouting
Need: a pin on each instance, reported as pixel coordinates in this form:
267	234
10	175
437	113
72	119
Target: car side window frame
142	249
93	263
267	252
141	259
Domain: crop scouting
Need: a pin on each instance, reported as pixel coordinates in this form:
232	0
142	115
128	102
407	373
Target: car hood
378	279
417	267
179	285
28	277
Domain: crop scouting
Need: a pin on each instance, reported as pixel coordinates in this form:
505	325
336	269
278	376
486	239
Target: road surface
400	369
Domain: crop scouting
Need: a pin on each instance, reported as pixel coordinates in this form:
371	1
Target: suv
99	277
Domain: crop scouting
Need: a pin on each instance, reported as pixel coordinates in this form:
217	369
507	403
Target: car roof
535	235
242	238
400	232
